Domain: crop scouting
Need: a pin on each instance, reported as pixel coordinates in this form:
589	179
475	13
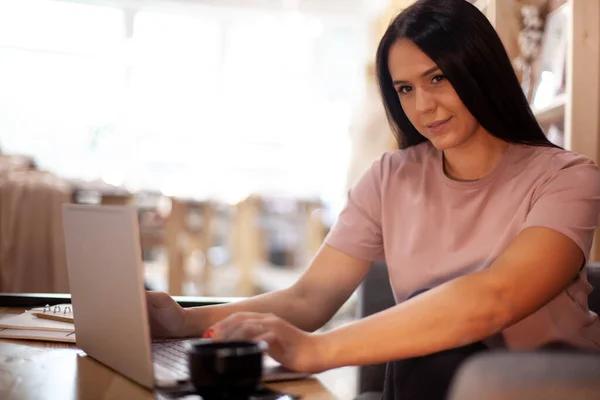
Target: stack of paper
29	327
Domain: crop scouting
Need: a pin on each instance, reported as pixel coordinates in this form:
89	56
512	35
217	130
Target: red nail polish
209	334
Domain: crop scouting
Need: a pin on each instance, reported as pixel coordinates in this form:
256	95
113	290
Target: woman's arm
534	269
328	282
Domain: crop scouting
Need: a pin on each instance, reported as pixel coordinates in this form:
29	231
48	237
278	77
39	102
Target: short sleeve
569	203
357	231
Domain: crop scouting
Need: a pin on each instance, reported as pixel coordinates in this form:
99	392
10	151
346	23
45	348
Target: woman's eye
404	89
438	79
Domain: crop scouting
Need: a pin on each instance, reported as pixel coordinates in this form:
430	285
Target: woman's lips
438	126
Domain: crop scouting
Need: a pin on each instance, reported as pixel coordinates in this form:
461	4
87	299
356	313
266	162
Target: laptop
106	280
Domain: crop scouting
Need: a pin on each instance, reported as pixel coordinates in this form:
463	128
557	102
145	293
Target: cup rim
233	348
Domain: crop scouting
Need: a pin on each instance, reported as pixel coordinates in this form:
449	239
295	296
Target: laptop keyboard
172	355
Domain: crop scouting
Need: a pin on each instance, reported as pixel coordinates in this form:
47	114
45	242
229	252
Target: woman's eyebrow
424	74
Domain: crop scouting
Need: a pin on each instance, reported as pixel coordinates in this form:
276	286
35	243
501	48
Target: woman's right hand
166	317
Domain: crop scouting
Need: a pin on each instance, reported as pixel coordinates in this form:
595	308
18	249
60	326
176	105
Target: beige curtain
32	249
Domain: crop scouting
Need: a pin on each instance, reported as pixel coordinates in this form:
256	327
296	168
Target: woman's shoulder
403	158
403	163
551	159
556	169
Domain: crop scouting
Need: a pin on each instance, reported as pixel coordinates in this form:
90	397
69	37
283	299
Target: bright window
208	103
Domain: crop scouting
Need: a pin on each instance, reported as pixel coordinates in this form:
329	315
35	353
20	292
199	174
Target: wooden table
46	370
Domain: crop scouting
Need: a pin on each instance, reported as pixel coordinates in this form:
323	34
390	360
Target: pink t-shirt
431	229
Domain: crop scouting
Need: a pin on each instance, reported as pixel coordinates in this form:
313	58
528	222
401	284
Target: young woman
478	213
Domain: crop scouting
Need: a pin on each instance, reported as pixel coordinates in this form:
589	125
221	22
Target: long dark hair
467	49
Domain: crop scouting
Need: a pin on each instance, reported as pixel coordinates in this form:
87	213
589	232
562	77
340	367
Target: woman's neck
475	158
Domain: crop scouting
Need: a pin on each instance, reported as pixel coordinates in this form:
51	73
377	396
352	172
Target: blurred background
227	123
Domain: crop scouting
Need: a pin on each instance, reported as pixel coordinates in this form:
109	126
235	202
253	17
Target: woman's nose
425	101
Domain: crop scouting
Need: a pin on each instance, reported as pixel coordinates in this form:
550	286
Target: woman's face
428	99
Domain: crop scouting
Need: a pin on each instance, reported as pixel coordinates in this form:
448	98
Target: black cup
226	370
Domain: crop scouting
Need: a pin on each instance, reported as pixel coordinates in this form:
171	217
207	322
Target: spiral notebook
30	326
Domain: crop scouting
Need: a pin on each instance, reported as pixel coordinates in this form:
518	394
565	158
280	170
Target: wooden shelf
553	112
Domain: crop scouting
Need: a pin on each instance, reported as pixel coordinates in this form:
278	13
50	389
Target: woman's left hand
293	348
